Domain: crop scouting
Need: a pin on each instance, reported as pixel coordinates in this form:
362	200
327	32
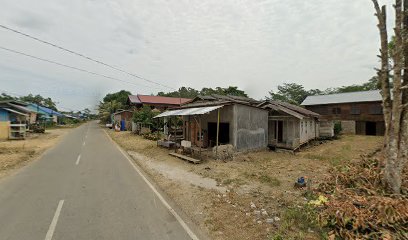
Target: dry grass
15	154
264	178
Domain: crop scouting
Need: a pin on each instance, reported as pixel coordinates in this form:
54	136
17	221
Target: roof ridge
330	94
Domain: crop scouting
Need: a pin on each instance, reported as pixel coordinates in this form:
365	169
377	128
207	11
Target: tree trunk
395	111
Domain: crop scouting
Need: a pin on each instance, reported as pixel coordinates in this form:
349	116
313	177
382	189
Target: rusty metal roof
146	99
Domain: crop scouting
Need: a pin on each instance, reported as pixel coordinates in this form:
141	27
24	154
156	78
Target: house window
355	110
375	110
336	110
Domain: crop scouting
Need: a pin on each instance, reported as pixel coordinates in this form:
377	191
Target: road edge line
165	203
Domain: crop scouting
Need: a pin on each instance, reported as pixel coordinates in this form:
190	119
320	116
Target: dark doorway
280	131
371	128
223	137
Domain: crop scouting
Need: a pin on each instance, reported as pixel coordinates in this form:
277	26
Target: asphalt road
85	188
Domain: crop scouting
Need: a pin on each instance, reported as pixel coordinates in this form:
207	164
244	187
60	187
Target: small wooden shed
290	126
124	119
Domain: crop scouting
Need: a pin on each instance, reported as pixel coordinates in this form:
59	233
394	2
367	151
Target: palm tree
106	109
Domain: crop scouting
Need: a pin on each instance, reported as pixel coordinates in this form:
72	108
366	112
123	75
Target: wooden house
215	120
45	114
290	126
12	123
357	112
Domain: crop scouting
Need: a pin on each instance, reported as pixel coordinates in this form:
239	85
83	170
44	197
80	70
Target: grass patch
298	223
271	181
227	181
315	157
235	181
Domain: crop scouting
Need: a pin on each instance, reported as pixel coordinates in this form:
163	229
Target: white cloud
255	45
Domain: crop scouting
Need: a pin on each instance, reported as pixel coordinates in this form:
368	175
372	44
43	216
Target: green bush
337	128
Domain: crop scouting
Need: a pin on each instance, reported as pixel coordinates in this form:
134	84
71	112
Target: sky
253	44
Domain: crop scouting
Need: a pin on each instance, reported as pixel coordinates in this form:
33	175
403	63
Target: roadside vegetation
17	153
259	200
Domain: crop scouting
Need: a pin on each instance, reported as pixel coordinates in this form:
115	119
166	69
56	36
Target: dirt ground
17	153
251	196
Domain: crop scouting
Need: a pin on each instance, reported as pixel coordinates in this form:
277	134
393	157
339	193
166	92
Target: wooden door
196	139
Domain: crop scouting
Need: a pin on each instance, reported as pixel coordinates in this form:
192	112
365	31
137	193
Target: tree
395	110
234	91
5	96
145	116
187	92
121	97
372	84
40	100
290	92
184	92
105	109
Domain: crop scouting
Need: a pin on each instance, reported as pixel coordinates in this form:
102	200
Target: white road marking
77	161
83	144
54	221
165	203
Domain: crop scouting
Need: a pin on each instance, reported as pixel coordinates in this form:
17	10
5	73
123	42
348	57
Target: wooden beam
218	133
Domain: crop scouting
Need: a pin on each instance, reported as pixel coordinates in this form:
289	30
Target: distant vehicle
109	125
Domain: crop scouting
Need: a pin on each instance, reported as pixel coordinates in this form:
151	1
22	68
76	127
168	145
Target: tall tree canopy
40	100
289	92
295	93
187	92
5	96
184	92
121	97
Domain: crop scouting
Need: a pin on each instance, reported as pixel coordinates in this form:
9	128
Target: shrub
337	128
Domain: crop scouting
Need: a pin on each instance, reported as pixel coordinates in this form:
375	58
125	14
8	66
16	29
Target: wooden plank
185	157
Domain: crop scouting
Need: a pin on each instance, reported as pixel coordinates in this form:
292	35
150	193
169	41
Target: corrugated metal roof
286	110
134	99
37	108
157	99
365	96
19	107
14	111
188	111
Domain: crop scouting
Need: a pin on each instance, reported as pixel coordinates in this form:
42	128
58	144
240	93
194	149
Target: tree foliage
121	97
5	96
40	100
187	92
295	93
144	115
289	92
105	109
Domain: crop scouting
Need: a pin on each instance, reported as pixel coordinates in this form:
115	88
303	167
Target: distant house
21	108
357	112
45	114
13	120
123	118
290	126
239	121
158	102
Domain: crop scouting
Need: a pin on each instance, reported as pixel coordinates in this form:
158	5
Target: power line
71	67
84	56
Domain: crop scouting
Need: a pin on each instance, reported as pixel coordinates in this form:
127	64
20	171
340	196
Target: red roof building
158	102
